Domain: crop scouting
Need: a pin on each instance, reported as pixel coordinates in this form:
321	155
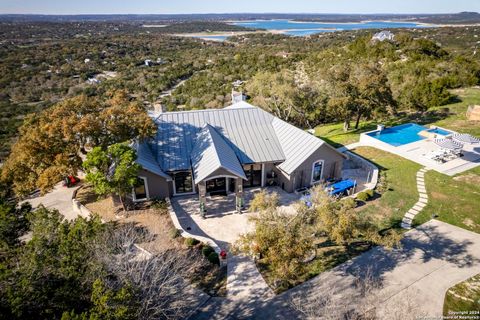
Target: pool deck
417	151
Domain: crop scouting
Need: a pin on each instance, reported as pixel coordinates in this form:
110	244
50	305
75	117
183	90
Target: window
183	182
140	191
253	172
317	171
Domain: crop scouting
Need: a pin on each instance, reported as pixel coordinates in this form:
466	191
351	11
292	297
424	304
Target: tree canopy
51	143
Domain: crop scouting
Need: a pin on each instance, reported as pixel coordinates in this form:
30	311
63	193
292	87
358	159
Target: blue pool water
439	131
298	28
399	135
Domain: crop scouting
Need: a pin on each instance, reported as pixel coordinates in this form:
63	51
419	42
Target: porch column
263	175
202	193
239	201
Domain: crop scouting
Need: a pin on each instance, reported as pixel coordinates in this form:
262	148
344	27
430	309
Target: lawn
454	200
388	209
455	120
464	296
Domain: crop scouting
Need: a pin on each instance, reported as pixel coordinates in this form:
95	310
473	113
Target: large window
254	175
183	182
317	171
140	191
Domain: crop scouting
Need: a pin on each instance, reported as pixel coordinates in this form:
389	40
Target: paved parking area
59	198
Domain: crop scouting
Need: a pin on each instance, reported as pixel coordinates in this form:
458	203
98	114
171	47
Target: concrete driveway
59	198
434	257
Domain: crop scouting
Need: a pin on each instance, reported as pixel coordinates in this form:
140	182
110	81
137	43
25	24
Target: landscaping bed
327	256
161	235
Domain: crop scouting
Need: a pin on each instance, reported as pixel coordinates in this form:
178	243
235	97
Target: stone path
421	203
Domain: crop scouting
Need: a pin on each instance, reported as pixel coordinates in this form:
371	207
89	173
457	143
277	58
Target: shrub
175	233
213	258
370	193
207	250
382	184
159	204
362	196
263	201
190	242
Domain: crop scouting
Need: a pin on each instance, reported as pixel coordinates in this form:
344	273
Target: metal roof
248	132
297	144
210	153
252	134
146	159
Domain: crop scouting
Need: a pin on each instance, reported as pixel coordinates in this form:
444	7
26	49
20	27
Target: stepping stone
422	190
406	226
418	208
409	215
407	221
420	204
413	211
423	201
421	183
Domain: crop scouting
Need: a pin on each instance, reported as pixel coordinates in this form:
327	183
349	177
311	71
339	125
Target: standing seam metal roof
253	134
248	131
210	153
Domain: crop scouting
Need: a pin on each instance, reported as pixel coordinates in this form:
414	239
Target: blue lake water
215	38
308	28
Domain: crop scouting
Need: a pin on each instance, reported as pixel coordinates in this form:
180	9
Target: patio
418	152
222	223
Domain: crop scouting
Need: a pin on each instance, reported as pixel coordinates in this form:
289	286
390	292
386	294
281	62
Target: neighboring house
383	35
222	151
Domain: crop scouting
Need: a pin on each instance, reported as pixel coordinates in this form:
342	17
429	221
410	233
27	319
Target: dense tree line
83	269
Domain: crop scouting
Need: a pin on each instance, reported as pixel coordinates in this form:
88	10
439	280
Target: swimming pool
399	135
439	131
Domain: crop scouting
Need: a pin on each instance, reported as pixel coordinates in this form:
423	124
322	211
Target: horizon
146	7
231	13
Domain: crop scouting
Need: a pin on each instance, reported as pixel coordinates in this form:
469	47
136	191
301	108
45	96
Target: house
383	35
221	151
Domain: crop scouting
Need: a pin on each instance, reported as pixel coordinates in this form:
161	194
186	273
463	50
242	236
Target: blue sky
235	6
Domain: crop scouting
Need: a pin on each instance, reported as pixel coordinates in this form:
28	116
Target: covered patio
222	222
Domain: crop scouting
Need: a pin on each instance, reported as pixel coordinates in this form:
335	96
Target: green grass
455	120
388	210
455	199
468	289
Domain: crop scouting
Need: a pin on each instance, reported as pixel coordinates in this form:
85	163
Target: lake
297	28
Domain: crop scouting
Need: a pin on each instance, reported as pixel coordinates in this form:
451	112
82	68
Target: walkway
59	198
421	203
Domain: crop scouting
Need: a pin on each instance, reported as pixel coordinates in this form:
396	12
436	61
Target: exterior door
217	186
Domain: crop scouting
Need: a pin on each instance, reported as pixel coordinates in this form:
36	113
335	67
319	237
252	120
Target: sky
235	6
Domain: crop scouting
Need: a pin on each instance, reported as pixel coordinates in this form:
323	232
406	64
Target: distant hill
456	18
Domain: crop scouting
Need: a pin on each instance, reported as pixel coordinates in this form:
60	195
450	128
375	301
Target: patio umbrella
448	144
466	138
